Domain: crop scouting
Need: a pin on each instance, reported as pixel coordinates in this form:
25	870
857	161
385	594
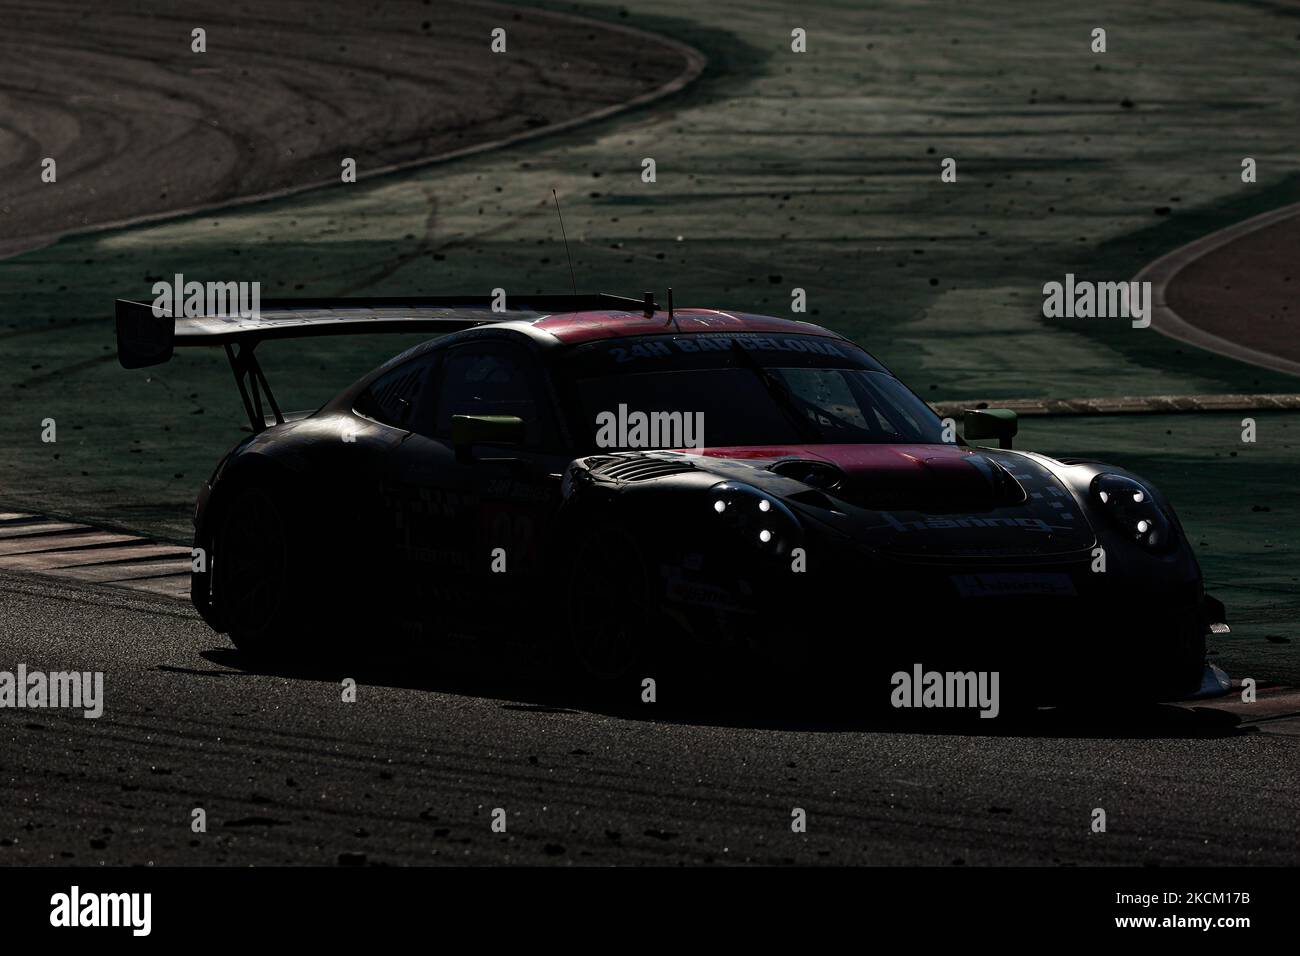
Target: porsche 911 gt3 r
502	480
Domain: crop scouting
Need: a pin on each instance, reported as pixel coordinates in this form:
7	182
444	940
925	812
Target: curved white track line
695	64
1168	322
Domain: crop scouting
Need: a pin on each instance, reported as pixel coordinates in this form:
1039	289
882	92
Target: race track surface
1245	291
411	772
140	125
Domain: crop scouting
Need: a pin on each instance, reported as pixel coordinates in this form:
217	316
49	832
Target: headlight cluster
756	518
1133	509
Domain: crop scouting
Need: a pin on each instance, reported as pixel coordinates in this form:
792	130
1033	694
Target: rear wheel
258	574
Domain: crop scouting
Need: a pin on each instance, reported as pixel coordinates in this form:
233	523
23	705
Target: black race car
626	485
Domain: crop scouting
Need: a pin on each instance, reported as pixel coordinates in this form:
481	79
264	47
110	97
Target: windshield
741	395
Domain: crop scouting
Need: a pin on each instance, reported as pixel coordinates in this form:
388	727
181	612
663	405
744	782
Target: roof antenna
572	280
672	318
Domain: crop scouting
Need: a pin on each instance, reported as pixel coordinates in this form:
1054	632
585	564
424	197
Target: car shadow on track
742	701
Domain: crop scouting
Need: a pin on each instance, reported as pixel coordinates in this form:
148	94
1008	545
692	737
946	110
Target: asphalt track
142	126
1234	292
412	771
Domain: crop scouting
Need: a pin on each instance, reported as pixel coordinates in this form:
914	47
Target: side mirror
470	430
999	423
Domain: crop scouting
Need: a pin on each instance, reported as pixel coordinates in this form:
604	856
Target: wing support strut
252	384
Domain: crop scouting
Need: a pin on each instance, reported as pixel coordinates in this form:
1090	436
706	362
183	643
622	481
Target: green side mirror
470	430
999	423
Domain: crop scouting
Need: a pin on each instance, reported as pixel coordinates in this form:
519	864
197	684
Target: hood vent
818	474
642	469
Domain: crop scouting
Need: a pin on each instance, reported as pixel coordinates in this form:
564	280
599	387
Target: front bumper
1054	630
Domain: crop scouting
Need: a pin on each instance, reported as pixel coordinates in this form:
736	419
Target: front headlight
755	517
1133	509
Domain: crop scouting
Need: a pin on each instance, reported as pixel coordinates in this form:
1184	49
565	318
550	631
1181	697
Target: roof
573	328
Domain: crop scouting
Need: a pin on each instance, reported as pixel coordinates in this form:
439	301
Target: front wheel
609	608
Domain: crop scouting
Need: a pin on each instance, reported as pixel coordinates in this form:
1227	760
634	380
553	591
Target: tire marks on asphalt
143	132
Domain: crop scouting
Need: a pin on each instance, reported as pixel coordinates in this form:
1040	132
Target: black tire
261	576
610	617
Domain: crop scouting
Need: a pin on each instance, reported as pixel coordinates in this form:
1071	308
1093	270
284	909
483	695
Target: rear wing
145	339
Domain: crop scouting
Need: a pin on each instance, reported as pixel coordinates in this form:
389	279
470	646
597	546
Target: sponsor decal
723	343
947	524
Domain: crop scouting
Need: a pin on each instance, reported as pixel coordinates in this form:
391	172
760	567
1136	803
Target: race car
627	486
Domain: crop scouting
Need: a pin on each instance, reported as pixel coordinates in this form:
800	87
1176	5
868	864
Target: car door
474	526
395	503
